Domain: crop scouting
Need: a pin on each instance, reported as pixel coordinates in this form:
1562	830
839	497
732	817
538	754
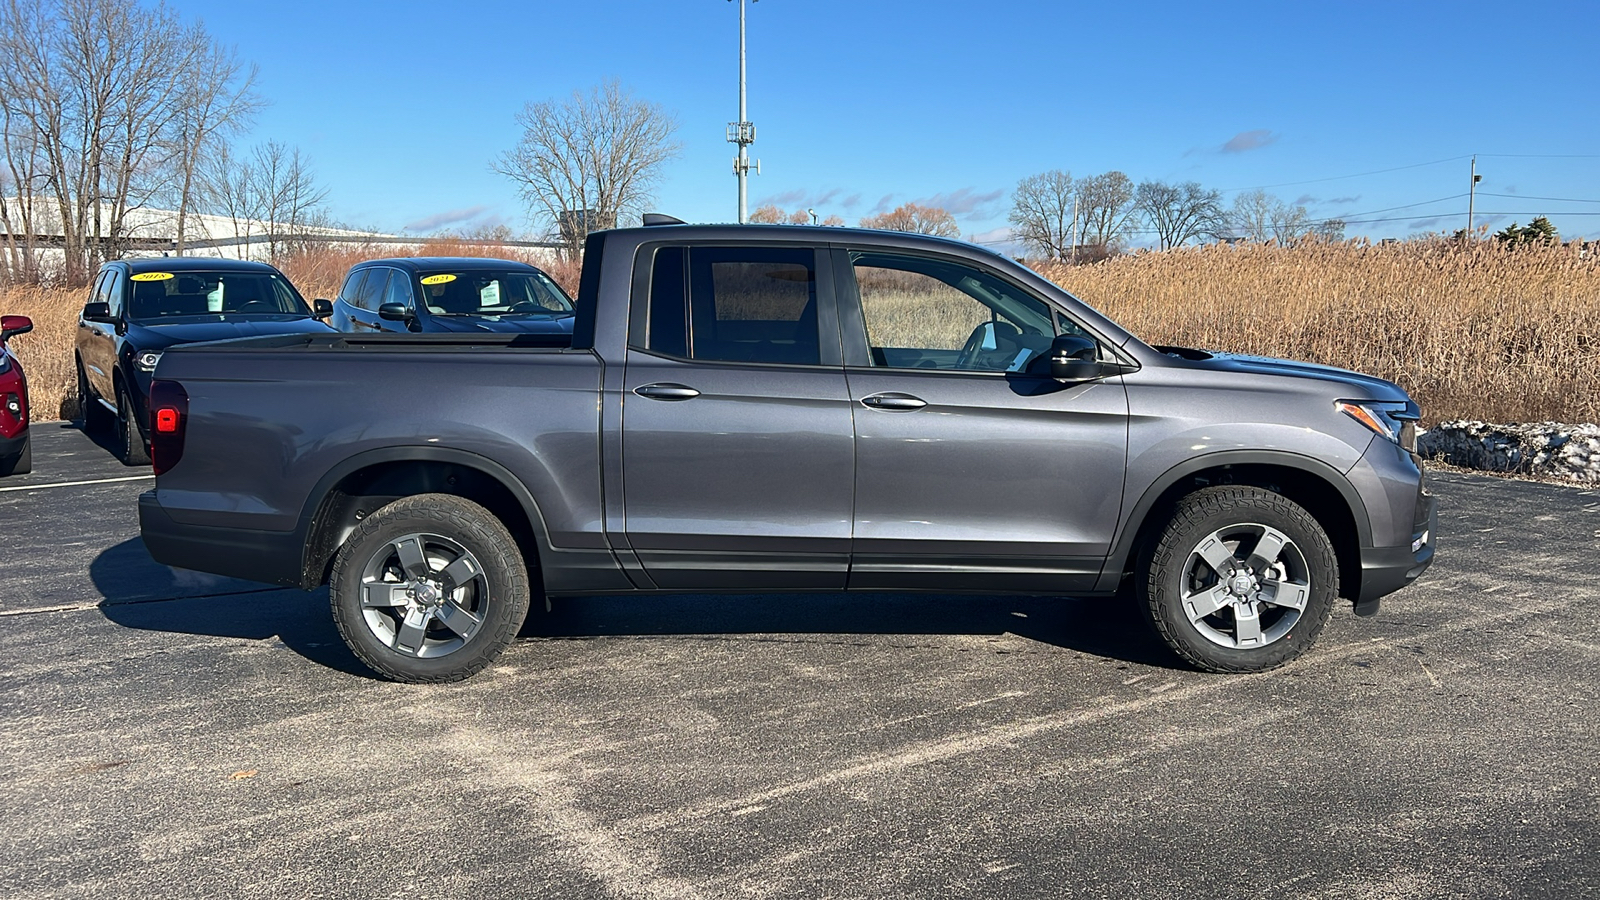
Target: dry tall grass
1472	331
319	270
46	352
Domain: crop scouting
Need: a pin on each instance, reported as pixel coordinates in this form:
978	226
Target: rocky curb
1543	449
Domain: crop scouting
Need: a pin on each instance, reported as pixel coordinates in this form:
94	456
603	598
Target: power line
1527	197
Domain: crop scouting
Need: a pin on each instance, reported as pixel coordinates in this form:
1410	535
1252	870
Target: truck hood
1359	386
192	329
502	324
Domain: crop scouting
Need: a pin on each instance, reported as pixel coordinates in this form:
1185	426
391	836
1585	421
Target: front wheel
1241	580
429	589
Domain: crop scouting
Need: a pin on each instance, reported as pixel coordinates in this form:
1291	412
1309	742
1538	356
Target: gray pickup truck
768	408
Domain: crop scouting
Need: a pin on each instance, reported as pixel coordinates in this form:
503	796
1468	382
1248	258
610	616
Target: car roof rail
653	219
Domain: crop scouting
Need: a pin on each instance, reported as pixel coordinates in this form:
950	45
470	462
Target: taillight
169	417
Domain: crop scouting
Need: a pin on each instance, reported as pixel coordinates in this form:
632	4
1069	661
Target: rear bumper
1385	570
273	557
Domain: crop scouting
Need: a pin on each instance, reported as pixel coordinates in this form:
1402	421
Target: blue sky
861	106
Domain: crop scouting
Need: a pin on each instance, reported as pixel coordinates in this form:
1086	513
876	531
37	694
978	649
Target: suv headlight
1393	419
146	360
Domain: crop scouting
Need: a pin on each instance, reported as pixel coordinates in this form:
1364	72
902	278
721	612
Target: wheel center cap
1241	585
426	593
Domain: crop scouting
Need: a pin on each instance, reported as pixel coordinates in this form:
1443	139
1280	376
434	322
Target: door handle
666	391
893	401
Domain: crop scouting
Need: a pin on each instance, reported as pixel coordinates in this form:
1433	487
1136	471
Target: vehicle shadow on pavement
138	592
1107	628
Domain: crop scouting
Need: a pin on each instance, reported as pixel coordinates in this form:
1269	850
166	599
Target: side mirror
98	312
1074	358
11	326
321	309
394	312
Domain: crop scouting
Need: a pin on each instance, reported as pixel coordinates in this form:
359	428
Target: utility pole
743	133
1074	227
1472	194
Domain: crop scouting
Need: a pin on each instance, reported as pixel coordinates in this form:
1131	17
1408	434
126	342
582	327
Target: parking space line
56	484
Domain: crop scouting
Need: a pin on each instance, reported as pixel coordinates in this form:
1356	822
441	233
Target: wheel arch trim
1134	526
318	497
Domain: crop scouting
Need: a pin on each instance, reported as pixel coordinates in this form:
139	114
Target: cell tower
743	133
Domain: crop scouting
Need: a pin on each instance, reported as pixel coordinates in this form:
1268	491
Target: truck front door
974	469
738	449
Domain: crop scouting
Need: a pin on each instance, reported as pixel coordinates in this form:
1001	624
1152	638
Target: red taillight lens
169	417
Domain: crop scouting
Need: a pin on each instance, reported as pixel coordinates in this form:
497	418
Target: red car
16	454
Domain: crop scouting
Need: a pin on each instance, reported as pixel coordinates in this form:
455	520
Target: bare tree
1043	214
585	162
271	192
1260	216
94	95
915	218
1330	229
1105	206
767	214
219	100
1180	212
833	221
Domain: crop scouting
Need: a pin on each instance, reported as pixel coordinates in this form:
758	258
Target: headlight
147	359
1393	419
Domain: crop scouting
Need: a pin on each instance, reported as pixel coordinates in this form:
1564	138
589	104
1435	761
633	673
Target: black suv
450	294
139	307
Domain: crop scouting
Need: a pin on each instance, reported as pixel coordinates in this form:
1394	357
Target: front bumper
1385	570
12	446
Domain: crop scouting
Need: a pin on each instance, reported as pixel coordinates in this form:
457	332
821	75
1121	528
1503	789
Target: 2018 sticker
152	276
436	279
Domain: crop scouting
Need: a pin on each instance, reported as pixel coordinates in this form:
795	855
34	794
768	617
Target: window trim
829	352
853	323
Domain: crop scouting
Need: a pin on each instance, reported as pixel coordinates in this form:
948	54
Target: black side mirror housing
394	312
321	309
1075	358
98	312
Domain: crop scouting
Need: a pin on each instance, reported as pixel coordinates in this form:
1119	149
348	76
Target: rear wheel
1241	580
22	463
430	588
95	417
134	451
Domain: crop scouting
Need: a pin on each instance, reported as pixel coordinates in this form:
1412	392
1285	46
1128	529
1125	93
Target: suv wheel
95	418
1241	580
429	588
134	451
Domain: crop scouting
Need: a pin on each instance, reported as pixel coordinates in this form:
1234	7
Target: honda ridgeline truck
782	408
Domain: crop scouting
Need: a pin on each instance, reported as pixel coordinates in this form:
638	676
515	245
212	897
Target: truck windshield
160	295
490	293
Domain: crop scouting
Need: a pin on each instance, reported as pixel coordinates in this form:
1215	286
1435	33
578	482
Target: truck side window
735	304
923	313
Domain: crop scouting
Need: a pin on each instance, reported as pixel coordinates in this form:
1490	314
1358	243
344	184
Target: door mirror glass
1074	357
11	326
97	311
394	312
321	309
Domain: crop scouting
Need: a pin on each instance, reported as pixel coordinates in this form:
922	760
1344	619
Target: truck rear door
738	443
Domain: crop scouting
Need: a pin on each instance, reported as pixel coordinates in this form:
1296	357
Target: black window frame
641	299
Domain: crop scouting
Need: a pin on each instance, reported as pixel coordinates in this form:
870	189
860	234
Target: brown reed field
1478	330
1473	331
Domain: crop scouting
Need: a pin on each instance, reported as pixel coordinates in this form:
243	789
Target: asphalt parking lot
170	734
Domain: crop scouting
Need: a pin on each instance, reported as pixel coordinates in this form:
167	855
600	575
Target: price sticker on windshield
153	276
431	279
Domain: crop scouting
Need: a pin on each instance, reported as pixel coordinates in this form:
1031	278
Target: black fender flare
411	453
1133	525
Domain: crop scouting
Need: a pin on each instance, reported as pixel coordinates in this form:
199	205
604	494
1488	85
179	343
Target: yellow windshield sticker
431	279
152	276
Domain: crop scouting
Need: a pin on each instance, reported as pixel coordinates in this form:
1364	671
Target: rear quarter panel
265	425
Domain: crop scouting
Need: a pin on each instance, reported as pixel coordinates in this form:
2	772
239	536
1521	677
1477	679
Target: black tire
96	420
129	441
449	533
1259	627
22	463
